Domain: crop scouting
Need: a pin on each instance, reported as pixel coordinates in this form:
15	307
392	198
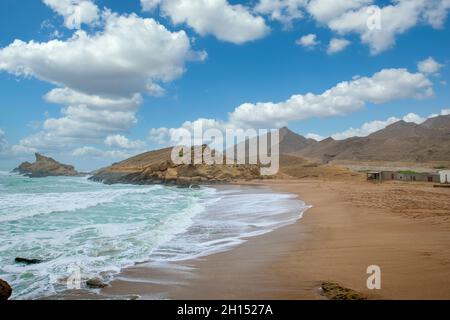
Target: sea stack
46	167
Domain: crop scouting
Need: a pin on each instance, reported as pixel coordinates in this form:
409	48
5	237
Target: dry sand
403	228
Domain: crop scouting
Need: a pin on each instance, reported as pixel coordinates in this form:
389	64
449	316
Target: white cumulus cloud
72	97
6	150
429	66
378	23
326	10
93	152
347	96
122	142
99	77
284	11
308	41
227	22
337	45
126	57
168	136
379	27
75	12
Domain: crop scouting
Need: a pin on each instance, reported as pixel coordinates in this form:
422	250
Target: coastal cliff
156	167
46	167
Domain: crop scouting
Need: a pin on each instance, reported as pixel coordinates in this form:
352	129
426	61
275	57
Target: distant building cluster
442	177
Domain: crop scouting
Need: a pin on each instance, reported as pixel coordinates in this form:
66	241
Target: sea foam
72	222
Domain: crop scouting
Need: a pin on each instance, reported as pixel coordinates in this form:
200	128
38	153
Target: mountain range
399	142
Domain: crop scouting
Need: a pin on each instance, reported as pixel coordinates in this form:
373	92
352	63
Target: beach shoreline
230	214
336	240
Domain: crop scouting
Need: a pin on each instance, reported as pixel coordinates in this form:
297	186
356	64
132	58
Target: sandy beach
403	228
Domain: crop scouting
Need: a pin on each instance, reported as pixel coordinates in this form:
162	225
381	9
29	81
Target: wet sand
403	228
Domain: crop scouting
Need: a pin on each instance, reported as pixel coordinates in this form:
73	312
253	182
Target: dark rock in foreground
96	283
333	291
27	261
5	290
46	167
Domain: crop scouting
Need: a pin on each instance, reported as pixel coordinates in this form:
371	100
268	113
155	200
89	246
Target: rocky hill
156	167
45	167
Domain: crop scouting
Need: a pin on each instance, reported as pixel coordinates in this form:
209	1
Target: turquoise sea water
101	229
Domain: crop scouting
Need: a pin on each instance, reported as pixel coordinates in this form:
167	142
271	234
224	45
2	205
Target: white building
445	176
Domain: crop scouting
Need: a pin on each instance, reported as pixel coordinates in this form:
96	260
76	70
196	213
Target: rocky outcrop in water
46	167
27	261
5	290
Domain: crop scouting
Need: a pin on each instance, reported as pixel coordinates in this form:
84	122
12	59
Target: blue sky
249	54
